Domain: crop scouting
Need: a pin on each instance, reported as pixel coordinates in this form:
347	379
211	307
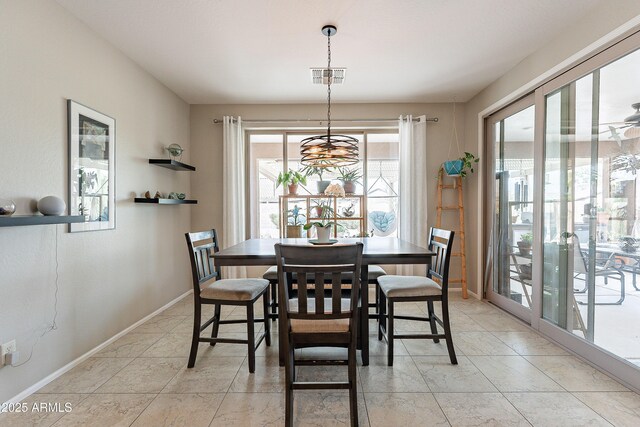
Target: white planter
324	233
51	205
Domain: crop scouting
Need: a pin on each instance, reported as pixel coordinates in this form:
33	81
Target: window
378	172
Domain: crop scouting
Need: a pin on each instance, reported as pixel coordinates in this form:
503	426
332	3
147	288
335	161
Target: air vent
321	76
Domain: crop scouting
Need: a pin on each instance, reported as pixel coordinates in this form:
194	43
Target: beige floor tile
209	375
403	376
193	410
159	324
326	408
144	375
380	348
172	345
513	373
325	373
499	322
475	409
575	375
130	345
529	344
40	410
250	409
443	377
470	307
181	308
268	377
463	323
620	408
481	344
86	377
554	409
398	409
425	347
113	410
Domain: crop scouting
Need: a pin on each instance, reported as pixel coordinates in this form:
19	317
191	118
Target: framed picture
92	140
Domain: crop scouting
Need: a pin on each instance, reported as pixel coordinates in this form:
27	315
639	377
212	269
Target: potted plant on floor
295	222
524	244
291	179
349	178
313	170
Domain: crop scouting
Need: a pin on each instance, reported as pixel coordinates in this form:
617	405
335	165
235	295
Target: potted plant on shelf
462	166
323	227
295	222
291	179
313	170
524	244
349	178
322	209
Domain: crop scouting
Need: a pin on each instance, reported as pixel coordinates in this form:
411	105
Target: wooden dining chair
395	289
210	288
312	320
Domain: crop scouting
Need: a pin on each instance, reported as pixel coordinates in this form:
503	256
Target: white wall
575	44
107	279
206	145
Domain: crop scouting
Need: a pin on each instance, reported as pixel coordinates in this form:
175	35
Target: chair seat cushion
408	286
319	326
234	289
375	271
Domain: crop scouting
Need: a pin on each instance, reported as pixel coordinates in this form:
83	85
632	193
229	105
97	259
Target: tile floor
507	375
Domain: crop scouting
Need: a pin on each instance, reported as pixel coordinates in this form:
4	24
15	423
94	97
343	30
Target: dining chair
430	288
374	271
313	320
210	288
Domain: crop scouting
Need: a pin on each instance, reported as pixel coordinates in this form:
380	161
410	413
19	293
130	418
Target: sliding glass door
512	162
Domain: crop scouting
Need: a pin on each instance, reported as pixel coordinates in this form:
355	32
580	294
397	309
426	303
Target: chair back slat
440	242
201	246
299	264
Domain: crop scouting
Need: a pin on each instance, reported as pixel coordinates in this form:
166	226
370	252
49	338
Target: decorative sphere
7	207
51	205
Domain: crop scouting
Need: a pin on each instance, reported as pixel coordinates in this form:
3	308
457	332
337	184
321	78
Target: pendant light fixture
329	151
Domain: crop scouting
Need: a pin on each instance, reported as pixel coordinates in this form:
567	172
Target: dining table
376	250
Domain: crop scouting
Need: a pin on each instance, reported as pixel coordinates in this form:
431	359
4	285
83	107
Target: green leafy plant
313	170
326	215
295	217
468	162
527	238
352	175
291	177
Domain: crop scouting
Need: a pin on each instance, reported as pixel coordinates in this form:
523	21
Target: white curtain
233	189
413	186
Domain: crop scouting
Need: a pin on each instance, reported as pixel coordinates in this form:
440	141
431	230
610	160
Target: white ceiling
260	51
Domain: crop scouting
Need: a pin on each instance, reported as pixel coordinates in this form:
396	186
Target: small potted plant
291	179
323	227
349	178
295	222
313	170
322	209
524	244
461	166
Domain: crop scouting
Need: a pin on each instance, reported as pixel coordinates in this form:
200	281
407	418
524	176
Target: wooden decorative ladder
460	231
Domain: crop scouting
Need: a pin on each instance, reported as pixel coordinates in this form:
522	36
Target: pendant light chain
330	78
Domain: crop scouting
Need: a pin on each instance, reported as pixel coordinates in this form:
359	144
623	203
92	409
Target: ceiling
260	51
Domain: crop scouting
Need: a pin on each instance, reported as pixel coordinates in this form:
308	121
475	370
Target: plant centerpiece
291	179
313	170
295	222
524	244
323	226
349	178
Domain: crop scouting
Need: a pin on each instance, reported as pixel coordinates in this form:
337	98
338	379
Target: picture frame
92	141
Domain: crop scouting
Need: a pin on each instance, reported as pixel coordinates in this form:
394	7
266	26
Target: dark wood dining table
377	250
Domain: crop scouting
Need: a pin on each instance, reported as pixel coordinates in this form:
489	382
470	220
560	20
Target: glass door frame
526	314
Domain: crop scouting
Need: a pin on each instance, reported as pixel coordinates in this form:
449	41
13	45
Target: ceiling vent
321	76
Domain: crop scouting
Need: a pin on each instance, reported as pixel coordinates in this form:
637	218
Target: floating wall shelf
165	201
172	164
19	220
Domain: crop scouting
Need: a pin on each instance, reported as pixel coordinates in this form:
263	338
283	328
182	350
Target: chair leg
390	333
353	388
289	379
382	309
195	340
432	320
267	323
251	339
216	323
274	298
447	331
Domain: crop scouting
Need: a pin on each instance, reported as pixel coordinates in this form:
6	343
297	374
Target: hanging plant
463	165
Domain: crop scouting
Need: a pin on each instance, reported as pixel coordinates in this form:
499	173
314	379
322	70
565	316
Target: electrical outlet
6	348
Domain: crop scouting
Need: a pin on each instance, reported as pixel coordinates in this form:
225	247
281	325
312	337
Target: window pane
383	176
266	163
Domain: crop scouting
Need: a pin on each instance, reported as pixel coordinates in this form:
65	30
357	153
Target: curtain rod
429	119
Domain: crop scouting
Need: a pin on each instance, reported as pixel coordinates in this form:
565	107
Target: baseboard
37	386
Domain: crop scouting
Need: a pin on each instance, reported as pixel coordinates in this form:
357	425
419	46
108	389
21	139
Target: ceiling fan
631	124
